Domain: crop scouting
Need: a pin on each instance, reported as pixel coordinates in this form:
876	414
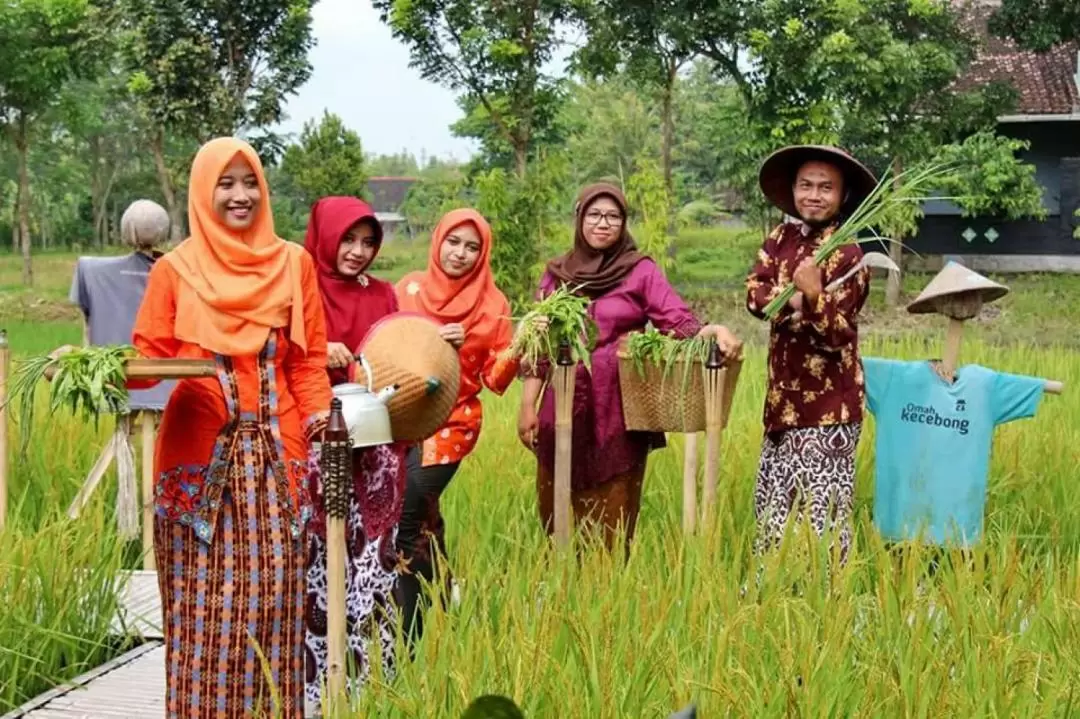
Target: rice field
683	620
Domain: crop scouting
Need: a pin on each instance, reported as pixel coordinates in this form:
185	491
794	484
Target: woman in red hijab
458	290
344	237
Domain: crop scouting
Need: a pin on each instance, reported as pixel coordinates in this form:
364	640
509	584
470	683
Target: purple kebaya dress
602	448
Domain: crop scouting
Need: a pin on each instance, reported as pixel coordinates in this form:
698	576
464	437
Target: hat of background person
957	292
144	225
405	349
777	175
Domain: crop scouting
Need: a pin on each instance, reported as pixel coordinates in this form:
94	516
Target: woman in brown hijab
627	290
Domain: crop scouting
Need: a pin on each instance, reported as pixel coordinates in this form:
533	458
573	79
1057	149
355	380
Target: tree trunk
666	142
668	136
23	209
176	231
894	280
521	158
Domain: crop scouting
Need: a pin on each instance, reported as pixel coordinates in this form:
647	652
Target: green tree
439	189
525	221
651	43
876	76
989	179
494	53
611	126
203	68
1037	24
650	201
43	45
328	160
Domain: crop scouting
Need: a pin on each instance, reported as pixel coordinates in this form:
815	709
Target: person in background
344	237
627	290
458	290
234	450
109	290
814	397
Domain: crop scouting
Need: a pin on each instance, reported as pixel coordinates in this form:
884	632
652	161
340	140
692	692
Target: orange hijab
473	300
235	286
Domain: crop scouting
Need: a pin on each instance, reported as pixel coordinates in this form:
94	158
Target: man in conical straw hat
935	426
813	405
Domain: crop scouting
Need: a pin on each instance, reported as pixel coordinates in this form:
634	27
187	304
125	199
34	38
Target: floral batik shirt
815	375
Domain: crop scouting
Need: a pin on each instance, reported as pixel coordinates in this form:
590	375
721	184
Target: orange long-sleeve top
287	387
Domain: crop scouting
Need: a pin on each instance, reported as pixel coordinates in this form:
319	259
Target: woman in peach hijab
458	290
233	451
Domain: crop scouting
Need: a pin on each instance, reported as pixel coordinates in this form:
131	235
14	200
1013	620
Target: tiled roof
1045	81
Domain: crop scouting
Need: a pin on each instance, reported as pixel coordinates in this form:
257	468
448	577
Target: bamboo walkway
132	685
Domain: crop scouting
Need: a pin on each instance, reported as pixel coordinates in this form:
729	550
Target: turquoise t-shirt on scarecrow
933	442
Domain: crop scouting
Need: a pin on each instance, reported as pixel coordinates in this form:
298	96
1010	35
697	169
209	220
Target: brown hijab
598	270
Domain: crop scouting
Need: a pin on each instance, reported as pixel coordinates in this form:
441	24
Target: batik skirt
806	474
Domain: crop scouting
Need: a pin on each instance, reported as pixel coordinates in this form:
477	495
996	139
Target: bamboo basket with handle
658	399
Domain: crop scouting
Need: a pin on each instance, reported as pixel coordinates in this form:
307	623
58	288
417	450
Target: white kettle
365	412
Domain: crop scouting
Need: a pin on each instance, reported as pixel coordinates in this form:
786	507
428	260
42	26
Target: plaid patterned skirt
227	602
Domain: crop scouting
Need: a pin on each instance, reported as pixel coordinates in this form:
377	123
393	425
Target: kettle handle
367	370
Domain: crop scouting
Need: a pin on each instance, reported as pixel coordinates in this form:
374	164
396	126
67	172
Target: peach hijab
472	300
235	286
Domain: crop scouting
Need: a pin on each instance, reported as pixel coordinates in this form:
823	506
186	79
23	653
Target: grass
997	637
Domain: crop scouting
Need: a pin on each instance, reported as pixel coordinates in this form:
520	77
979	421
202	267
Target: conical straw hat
405	349
954	280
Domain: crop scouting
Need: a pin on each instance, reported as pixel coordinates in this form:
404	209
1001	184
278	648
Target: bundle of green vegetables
88	381
912	186
568	322
651	346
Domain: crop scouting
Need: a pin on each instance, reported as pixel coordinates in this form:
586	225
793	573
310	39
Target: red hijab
473	300
352	304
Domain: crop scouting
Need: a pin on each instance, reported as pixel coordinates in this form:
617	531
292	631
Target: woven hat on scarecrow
957	292
405	349
778	172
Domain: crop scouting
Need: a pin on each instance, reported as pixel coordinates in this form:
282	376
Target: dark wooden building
387	195
1048	116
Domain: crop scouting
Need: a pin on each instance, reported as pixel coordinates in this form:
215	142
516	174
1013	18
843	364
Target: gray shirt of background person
109	290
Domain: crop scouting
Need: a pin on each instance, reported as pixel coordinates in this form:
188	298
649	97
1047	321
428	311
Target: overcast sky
361	73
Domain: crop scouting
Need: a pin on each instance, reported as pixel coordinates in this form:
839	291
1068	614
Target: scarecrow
814	394
935	422
109	291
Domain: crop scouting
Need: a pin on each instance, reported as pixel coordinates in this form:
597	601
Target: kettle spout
386	393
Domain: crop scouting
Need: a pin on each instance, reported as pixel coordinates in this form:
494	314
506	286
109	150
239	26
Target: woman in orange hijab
458	290
233	451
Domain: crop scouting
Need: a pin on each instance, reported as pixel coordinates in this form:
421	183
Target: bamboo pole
148	441
337	481
97	473
714	397
689	484
565	371
5	360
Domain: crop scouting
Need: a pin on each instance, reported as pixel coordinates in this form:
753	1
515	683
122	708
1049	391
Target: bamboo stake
148	441
689	484
5	360
565	372
97	473
337	481
714	396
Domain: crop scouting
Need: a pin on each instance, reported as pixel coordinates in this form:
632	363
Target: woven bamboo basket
653	402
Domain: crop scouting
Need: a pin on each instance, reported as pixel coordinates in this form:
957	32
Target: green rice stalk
88	381
909	186
568	321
